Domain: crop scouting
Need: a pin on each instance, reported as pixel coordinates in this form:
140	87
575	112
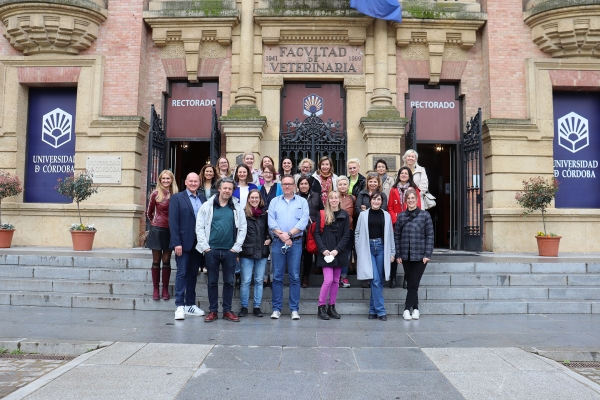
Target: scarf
257	212
325	187
402	190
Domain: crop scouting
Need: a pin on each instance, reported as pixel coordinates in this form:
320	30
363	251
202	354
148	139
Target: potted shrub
537	194
79	189
9	186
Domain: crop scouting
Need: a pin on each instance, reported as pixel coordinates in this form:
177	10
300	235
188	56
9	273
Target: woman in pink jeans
332	255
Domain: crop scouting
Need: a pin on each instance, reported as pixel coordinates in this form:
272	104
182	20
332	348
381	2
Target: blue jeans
376	305
188	264
249	267
279	260
226	259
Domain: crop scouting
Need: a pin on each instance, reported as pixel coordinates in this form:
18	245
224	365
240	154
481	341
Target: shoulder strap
322	224
410	218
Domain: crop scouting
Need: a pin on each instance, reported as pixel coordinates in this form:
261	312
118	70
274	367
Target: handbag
311	245
428	200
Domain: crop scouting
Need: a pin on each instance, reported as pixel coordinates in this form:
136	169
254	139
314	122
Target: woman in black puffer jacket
255	250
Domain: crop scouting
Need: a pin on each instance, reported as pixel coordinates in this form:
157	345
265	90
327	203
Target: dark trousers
227	260
413	271
188	264
393	269
307	263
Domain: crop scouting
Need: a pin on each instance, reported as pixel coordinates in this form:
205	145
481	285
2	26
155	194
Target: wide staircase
468	285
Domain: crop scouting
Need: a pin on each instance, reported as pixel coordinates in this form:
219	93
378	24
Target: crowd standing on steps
252	225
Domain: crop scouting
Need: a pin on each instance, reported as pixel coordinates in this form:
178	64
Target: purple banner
577	149
50	143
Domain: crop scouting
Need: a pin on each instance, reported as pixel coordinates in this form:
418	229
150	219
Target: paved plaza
149	355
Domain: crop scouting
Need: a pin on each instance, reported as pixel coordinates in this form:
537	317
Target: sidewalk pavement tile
115	382
461	339
115	354
392	359
317	359
258	338
170	355
364	339
251	384
523	360
471	359
387	385
244	357
551	339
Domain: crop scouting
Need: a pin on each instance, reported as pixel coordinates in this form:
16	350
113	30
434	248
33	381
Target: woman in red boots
159	236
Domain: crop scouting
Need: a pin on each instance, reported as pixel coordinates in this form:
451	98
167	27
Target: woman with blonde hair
332	252
419	175
159	236
305	169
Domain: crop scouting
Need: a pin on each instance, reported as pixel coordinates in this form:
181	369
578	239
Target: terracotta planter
82	240
6	238
548	245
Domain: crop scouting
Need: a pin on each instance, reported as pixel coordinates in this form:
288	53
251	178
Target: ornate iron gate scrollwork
156	152
313	138
472	184
410	137
215	138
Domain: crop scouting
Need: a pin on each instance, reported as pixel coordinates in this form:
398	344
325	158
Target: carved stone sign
319	59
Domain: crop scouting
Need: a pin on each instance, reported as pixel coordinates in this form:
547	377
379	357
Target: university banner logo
573	132
57	127
313	104
384	9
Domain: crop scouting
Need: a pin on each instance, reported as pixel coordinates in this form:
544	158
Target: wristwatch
290	234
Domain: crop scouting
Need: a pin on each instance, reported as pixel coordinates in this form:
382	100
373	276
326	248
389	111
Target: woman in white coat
375	249
411	159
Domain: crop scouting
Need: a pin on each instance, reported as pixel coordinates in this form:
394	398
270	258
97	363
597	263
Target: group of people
235	222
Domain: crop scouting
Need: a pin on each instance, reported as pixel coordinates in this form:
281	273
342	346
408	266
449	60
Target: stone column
245	94
243	126
383	127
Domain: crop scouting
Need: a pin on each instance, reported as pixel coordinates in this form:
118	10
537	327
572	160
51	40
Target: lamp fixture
439	147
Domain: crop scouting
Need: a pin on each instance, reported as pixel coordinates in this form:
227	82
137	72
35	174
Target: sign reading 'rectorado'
302	59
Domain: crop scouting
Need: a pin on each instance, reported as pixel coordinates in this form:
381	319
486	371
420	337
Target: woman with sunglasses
332	252
315	204
375	249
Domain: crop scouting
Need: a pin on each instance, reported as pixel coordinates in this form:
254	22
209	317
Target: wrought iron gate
156	152
410	138
313	138
215	138
472	184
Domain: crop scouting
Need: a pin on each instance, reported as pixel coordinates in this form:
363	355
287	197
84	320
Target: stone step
393	307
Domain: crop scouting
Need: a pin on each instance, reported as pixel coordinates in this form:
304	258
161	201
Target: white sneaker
180	312
415	314
406	315
193	310
276	315
295	315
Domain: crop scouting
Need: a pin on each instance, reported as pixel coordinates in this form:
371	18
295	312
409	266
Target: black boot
323	313
332	312
392	282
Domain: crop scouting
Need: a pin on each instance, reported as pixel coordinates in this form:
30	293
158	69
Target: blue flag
383	9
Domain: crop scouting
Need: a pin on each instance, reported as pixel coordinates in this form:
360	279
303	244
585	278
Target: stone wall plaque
390	160
104	169
317	59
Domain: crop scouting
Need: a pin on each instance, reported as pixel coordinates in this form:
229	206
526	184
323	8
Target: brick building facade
508	58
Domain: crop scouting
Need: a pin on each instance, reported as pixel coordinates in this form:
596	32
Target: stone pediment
565	29
52	26
437	39
326	29
192	27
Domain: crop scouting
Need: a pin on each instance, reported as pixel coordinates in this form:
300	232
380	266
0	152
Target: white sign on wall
104	169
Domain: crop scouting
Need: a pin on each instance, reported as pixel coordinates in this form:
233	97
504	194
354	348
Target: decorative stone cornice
191	32
568	31
435	35
52	26
346	30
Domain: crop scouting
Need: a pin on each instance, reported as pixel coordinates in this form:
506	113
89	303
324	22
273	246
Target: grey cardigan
364	267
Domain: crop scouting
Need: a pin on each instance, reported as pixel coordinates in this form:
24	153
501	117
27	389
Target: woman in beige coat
410	159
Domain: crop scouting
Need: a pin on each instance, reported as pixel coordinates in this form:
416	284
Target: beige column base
382	131
243	128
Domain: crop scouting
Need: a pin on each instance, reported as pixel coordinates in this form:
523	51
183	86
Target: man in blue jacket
183	209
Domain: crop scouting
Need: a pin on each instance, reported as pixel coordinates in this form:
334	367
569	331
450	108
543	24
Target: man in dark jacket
183	209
